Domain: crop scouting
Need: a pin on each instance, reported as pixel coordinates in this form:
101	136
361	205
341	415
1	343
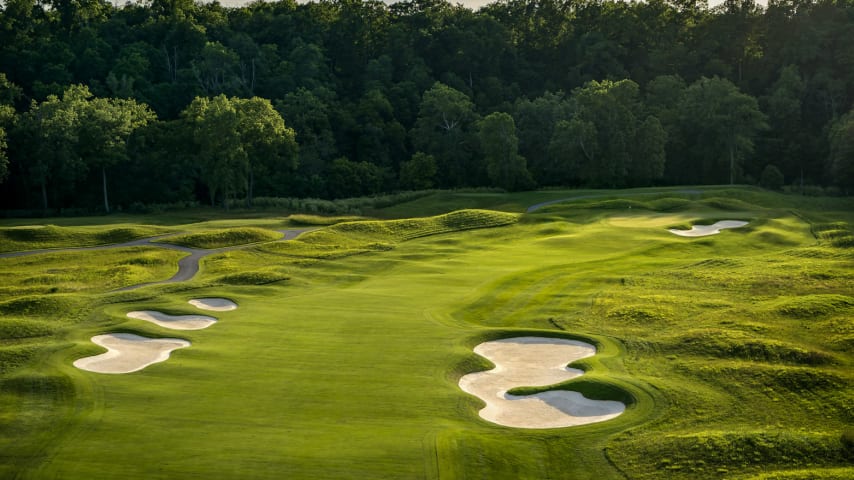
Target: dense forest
167	101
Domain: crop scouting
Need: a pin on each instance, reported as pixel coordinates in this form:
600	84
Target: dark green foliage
376	83
771	178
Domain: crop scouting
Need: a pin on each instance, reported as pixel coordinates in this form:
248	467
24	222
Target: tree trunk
104	178
249	188
44	194
213	196
731	165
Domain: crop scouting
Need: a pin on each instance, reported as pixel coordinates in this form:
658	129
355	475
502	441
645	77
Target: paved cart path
188	266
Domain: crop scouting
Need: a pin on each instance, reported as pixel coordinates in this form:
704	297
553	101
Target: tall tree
505	167
841	161
445	128
270	146
535	124
785	141
220	156
106	124
47	138
725	124
9	94
607	142
235	139
7	121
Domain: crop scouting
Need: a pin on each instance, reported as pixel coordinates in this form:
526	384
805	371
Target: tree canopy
342	97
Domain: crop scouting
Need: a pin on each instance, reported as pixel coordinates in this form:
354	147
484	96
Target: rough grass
223	238
13	239
718	454
303	219
349	238
28	279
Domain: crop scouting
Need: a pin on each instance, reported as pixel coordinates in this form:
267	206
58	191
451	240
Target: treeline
171	101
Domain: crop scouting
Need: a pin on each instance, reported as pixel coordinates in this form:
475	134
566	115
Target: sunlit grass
342	360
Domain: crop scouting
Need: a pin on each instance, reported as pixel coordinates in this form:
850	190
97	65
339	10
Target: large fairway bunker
175	322
213	304
128	353
704	230
535	362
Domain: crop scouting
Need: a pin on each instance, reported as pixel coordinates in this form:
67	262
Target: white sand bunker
703	230
214	304
175	322
127	353
535	362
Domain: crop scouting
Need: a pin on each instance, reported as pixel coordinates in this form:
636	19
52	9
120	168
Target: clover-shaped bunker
535	362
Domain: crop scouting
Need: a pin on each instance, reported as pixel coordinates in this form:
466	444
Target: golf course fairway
731	353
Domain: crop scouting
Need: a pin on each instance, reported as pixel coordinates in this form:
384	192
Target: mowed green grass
735	349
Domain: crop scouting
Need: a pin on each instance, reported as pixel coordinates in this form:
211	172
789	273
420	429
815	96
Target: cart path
188	266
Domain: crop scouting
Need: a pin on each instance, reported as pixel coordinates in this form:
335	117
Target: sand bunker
535	362
214	304
175	322
128	353
703	230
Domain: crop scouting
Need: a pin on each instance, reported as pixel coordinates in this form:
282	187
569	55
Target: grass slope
220	238
14	239
733	351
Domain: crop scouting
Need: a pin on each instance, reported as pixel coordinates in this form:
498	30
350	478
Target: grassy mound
351	238
797	380
723	343
713	454
842	473
17	328
226	237
836	234
15	239
408	229
252	278
39	305
318	220
813	306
